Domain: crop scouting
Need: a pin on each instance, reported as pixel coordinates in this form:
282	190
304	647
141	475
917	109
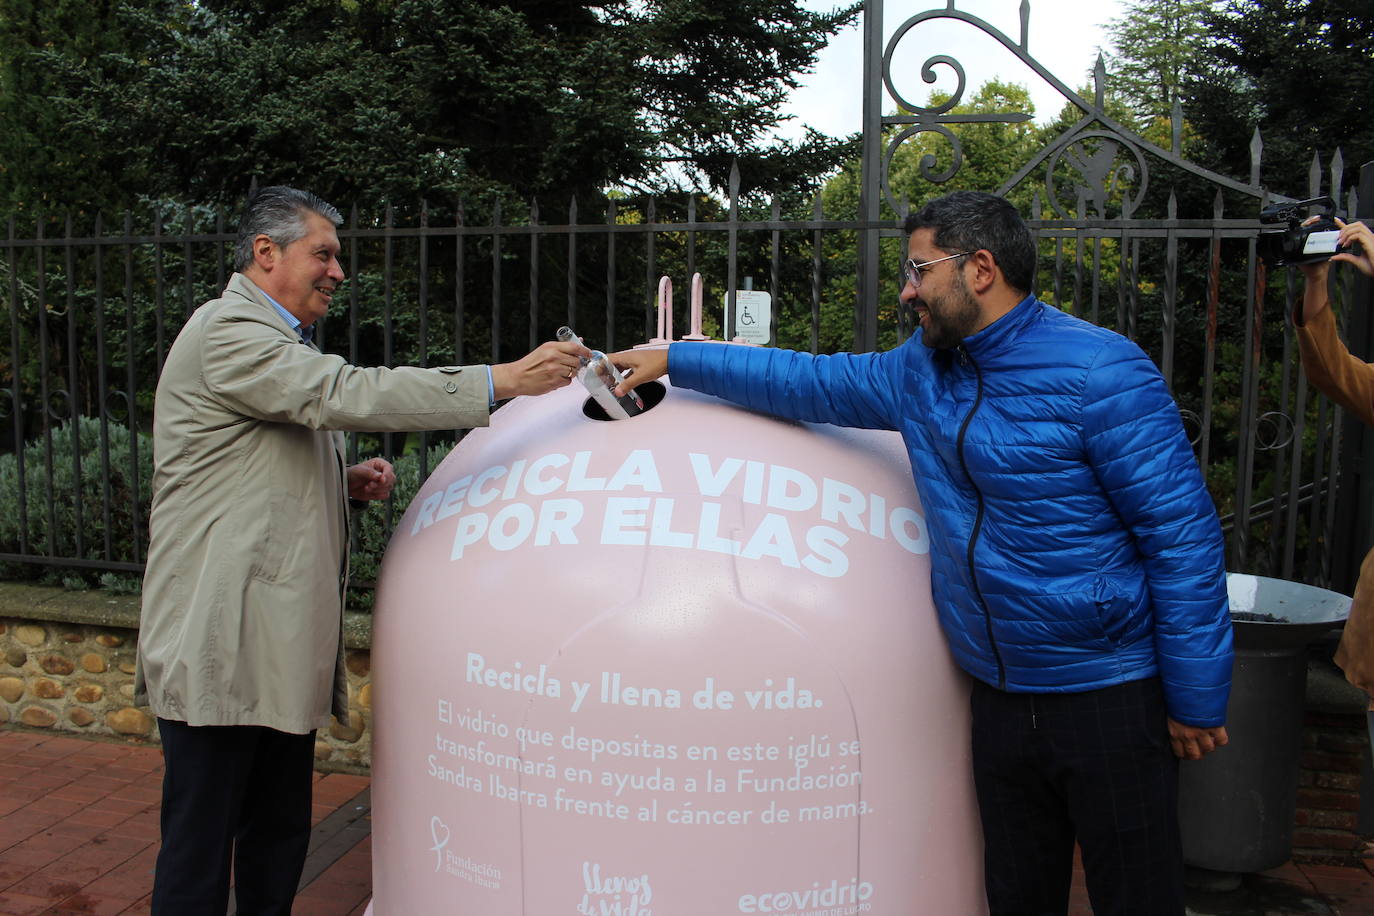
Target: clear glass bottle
600	377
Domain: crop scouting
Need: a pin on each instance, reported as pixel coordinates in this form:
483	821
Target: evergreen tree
43	153
370	100
1157	47
989	153
1302	73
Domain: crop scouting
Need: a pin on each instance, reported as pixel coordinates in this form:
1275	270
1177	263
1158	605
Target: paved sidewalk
79	835
79	831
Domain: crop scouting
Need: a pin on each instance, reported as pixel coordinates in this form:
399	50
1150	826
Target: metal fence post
870	195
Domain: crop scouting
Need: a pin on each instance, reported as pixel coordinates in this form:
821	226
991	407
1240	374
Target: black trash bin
1237	804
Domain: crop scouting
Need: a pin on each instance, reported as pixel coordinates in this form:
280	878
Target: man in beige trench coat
240	644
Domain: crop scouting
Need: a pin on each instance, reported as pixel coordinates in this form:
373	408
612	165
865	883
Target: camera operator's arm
1350	382
1328	364
1314	294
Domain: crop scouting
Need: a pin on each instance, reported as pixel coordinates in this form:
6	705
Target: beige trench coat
242	620
1349	382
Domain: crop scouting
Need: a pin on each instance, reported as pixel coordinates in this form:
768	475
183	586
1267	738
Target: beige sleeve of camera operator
1343	378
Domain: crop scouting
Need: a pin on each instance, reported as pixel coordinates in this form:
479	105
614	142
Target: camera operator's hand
1358	237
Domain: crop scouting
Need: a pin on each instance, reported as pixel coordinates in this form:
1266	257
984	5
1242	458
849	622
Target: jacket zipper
965	358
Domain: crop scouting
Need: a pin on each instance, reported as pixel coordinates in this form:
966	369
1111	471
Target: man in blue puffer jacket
1077	560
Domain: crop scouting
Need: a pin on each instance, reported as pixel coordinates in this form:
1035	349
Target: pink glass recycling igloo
680	664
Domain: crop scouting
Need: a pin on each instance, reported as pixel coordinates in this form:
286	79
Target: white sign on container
754	322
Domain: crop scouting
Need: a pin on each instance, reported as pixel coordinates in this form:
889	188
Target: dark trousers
237	793
1093	767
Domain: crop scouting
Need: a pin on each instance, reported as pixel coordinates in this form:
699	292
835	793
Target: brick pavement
79	831
79	835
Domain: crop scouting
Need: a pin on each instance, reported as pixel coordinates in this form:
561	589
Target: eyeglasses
911	271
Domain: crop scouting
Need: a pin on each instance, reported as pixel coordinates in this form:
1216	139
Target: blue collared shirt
305	334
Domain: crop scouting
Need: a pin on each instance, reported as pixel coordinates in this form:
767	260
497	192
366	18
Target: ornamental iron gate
1134	236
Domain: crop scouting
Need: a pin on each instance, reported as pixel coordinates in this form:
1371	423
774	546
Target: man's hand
550	365
1193	743
639	366
373	479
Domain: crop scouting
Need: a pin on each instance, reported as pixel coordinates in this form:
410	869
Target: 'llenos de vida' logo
613	895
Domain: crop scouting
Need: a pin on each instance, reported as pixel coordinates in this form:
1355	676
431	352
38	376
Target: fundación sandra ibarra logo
450	862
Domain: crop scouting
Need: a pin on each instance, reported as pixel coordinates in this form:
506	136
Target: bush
79	504
371	530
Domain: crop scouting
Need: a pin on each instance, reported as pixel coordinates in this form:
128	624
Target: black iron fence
91	317
92	314
1166	257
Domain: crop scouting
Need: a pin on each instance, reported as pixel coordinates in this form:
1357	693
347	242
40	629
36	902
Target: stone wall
67	664
69	678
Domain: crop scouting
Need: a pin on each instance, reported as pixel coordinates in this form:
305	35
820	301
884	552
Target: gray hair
278	212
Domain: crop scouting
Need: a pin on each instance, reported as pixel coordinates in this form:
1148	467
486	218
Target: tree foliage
1157	45
369	100
988	154
41	157
1300	73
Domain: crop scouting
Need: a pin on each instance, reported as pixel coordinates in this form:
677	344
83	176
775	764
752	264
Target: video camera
1299	244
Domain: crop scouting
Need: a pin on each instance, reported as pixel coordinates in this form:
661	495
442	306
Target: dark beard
957	318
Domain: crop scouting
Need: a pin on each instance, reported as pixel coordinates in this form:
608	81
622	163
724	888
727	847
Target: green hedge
62	487
370	528
77	494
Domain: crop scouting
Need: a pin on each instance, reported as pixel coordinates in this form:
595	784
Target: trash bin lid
1272	613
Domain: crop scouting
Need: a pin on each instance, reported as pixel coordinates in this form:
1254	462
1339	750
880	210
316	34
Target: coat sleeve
844	389
1138	450
1345	379
255	370
1349	381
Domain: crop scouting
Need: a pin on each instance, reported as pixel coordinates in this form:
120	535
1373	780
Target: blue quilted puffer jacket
1073	543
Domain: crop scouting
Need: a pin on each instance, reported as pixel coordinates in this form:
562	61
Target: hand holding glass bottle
600	377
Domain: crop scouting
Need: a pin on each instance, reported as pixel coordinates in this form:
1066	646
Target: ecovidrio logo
833	899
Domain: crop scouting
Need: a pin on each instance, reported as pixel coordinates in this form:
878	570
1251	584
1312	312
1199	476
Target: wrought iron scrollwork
1192	425
112	396
1108	157
1274	430
62	397
932	118
928	75
928	161
1100	176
